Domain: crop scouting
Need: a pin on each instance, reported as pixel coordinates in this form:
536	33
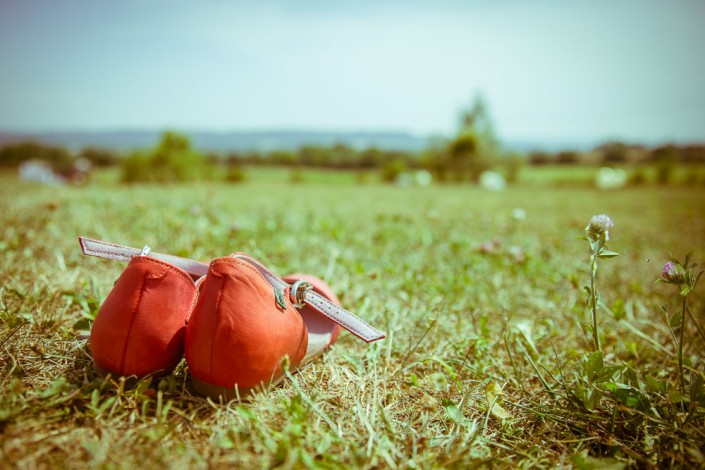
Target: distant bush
392	169
613	152
637	178
567	157
235	174
173	160
296	175
465	160
539	158
513	163
666	159
13	155
99	157
693	154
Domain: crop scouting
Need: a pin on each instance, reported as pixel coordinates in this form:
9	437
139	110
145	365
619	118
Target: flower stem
680	346
593	300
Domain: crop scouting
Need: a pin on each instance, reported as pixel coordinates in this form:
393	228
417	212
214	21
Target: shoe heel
141	326
240	330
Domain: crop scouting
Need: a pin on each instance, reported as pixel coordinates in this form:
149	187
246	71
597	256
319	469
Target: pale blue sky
549	69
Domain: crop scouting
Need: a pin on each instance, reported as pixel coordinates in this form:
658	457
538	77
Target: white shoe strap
115	252
338	314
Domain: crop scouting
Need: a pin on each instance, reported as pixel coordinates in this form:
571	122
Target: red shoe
141	326
248	325
245	324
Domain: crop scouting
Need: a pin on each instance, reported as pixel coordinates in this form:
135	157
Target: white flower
599	225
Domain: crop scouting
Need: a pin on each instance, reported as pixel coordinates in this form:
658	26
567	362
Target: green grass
408	261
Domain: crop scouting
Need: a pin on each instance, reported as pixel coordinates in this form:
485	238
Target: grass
463	322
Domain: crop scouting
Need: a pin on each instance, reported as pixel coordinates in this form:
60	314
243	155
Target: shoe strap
336	313
115	252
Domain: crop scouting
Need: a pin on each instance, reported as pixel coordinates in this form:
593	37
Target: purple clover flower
673	273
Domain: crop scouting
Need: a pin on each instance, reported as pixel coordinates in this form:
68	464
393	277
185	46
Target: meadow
487	355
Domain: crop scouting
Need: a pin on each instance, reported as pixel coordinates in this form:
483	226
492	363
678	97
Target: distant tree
235	173
666	159
477	121
234	158
172	160
370	158
344	156
13	155
567	157
99	157
693	154
284	157
436	159
476	147
613	152
513	163
539	158
391	170
313	155
464	158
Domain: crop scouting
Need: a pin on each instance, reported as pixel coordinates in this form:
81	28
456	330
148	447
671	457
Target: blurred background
405	92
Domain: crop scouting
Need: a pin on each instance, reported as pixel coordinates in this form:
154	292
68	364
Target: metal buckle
298	292
145	251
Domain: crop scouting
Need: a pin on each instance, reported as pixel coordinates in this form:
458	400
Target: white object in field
423	178
39	171
610	178
492	181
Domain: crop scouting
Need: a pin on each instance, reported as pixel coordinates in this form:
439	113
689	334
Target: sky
548	70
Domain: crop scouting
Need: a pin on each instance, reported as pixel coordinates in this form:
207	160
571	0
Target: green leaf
655	385
593	365
629	396
279	296
685	290
607	254
585	462
84	324
676	319
455	415
697	391
493	393
55	388
589	396
607	373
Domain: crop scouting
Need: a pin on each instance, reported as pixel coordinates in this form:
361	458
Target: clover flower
673	273
599	225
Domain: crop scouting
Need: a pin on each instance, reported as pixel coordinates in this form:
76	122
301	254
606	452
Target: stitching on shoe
234	261
193	303
256	271
240	263
176	269
132	321
218	315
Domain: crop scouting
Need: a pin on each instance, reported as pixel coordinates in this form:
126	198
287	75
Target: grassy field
475	301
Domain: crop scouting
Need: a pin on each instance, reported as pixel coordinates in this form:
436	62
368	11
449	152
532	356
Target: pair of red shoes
234	319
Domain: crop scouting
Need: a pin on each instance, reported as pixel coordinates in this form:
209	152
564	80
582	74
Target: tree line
463	158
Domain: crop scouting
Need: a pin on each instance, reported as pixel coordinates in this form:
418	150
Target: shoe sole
245	393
